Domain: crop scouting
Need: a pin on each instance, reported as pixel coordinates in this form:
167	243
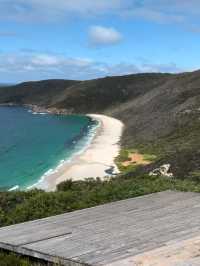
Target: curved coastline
97	159
81	143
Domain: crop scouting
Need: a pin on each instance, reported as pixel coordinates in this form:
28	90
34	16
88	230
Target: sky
86	39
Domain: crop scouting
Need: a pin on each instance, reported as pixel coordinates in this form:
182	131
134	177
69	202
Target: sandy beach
96	161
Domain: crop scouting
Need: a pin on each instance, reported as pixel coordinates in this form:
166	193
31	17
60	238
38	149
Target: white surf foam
14	188
80	147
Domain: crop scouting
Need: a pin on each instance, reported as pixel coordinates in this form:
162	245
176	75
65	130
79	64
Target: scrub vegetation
161	113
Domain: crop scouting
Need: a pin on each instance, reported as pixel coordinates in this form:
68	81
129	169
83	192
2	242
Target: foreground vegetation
16	207
14	260
11	259
21	206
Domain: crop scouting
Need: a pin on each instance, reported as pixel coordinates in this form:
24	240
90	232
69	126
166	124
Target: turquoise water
32	144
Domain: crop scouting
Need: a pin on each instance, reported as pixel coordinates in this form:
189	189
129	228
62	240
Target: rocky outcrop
163	170
51	110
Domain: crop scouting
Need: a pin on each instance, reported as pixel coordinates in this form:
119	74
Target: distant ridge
6	84
161	112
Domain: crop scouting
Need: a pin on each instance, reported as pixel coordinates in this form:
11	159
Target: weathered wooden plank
108	233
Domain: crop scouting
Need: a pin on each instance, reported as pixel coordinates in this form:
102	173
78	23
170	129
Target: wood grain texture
109	234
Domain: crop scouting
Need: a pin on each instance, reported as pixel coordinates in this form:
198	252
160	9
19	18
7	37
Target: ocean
32	145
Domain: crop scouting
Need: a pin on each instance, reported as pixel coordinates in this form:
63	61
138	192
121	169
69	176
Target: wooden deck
161	229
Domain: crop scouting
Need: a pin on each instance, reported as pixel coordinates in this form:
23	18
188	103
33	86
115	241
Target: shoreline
97	160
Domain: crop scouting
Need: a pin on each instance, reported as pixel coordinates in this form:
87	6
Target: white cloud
45	60
164	68
53	9
99	35
154	15
35	66
41	63
183	12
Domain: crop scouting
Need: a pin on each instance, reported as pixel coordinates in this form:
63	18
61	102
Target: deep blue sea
31	144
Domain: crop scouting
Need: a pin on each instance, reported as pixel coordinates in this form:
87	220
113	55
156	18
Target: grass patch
149	157
195	175
124	156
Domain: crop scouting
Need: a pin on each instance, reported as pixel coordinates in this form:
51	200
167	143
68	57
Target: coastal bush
16	207
180	148
12	259
21	206
15	260
65	185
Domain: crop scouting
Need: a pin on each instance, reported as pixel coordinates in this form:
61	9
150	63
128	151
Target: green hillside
160	111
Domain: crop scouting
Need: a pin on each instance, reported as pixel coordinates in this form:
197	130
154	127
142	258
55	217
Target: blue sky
84	39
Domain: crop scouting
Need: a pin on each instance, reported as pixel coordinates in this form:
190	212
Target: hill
160	111
5	84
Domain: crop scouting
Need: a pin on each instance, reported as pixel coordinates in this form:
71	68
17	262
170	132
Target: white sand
95	160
